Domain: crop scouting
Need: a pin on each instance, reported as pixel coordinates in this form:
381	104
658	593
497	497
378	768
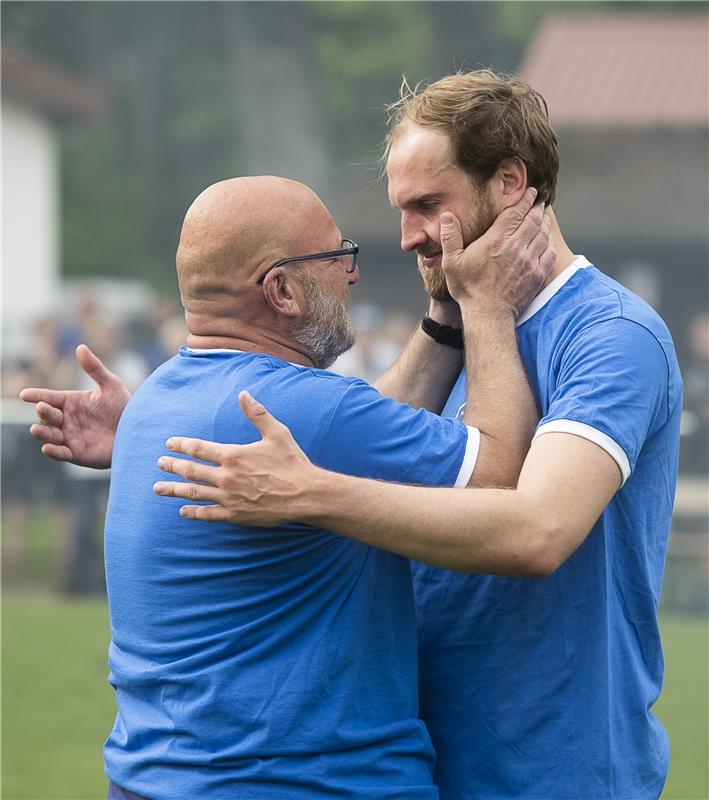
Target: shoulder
604	299
309	383
593	307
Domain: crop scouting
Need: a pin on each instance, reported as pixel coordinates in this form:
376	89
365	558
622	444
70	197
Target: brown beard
434	279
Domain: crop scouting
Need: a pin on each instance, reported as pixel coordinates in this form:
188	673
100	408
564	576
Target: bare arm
425	371
529	531
493	280
80	427
565	484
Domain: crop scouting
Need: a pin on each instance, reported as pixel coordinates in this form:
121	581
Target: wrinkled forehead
420	162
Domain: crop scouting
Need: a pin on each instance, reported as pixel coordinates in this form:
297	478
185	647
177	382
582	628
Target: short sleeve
373	436
611	388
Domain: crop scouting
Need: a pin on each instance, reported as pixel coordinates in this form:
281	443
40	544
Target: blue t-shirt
266	663
543	689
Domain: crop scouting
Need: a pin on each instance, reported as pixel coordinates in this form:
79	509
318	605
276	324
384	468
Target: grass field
57	707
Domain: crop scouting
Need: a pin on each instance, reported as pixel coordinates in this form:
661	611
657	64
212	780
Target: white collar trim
211	350
580	262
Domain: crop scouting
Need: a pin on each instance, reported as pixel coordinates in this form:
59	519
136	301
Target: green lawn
57	707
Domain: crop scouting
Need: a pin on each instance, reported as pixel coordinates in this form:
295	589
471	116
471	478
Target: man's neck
564	255
283	350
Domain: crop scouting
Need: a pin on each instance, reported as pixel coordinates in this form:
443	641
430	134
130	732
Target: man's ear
281	293
509	182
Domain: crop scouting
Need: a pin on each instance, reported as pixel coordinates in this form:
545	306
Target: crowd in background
74	498
694	455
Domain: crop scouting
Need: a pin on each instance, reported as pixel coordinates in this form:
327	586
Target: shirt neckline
210	350
580	262
232	351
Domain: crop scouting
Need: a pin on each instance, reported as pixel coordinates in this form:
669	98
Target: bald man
280	662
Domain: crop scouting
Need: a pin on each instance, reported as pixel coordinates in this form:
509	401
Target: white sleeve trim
472	447
614	450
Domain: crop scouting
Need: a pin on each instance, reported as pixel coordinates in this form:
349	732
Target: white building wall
30	220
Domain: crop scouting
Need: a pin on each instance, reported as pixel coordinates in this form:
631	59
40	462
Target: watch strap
443	334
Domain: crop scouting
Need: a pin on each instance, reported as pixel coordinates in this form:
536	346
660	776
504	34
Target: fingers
541	247
190	491
260	418
57	452
511	218
197	448
188	469
539	239
532	226
47	434
451	237
49	396
93	366
48	415
206	513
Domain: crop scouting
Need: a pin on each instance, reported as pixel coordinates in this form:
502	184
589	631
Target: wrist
443	334
488	316
445	312
474	308
315	499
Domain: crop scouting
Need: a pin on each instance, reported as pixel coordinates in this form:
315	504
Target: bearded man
539	668
280	663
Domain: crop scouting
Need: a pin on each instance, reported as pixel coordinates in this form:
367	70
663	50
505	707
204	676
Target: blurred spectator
695	418
30	481
88	488
160	335
71	498
73	332
380	339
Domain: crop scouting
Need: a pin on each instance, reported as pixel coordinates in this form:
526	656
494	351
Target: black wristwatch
443	334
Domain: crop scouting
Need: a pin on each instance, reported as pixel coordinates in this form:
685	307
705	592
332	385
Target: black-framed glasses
347	254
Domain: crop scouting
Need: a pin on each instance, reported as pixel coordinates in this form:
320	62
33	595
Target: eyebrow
417	200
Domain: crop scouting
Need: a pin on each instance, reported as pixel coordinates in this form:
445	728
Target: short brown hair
488	117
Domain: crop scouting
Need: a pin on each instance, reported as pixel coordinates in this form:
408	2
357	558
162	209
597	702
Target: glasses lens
349	261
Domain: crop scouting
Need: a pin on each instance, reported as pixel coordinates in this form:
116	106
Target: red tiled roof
622	70
49	89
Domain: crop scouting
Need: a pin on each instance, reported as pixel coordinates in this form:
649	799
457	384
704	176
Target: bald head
237	228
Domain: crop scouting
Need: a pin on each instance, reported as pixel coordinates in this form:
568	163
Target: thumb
451	237
264	422
93	366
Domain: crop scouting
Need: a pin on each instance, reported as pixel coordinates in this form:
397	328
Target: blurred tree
202	90
171	128
362	50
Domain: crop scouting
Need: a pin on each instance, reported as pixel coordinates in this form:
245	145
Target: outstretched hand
501	271
254	484
80	426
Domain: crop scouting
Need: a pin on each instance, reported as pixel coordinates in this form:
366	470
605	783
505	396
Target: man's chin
435	283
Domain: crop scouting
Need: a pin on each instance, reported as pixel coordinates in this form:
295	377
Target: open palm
80	426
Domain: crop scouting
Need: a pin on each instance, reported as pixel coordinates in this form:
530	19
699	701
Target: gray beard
326	330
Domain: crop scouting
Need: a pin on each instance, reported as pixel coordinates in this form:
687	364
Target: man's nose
412	234
353	277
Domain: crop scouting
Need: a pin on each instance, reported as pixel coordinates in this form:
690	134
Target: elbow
540	565
496	468
544	555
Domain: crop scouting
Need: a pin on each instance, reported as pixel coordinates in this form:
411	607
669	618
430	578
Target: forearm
500	402
425	372
483	530
524	532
